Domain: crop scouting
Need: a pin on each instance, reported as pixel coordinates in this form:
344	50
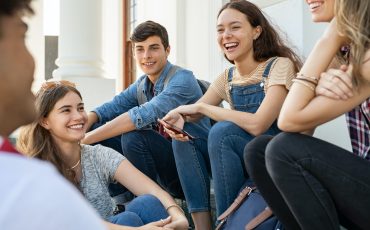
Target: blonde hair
353	18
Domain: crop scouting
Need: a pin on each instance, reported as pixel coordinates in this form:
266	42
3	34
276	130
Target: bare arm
139	184
210	98
175	116
335	84
117	126
91	119
255	124
151	226
302	110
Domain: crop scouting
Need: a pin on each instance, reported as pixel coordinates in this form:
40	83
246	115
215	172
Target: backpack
141	98
249	211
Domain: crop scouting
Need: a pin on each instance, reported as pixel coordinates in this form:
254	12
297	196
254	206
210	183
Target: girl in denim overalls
255	88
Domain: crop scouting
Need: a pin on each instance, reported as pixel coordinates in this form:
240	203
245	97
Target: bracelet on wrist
305	83
177	206
313	80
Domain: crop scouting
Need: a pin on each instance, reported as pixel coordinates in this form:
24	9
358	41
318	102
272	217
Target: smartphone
174	128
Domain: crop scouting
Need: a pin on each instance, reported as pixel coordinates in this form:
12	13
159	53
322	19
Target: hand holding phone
175	129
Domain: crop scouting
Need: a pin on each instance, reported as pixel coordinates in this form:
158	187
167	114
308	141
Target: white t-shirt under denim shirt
34	196
99	165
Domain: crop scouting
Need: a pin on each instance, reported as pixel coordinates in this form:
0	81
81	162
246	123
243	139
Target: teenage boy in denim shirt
130	127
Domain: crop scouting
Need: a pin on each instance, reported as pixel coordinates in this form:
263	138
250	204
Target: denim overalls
249	98
226	141
223	151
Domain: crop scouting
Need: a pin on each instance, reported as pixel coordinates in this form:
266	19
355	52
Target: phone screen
174	128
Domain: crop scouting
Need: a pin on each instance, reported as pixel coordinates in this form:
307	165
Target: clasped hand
335	84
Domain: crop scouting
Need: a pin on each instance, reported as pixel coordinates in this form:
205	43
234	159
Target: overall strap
170	74
266	72
230	77
141	97
230	74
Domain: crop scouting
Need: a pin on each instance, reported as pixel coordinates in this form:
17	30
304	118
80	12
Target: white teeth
314	5
79	126
227	45
149	63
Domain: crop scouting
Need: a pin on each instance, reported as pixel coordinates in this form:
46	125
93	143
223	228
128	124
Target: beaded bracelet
302	82
177	206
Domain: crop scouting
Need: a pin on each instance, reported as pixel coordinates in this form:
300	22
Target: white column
80	50
35	42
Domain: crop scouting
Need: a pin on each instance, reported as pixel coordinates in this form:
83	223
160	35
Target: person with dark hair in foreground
33	195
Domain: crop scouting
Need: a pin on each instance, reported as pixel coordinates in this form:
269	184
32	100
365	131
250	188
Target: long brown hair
353	18
36	141
269	44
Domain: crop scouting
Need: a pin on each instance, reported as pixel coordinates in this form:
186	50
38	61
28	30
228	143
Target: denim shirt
182	89
249	98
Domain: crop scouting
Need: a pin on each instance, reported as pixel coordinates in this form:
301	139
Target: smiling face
16	75
235	35
151	56
321	10
67	120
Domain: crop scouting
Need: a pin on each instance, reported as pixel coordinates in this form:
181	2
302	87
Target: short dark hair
9	7
148	29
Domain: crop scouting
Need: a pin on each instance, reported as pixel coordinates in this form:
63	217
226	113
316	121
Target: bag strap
237	202
141	97
264	215
170	74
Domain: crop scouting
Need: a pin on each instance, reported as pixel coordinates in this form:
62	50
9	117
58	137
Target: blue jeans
224	153
310	183
149	152
226	143
152	154
140	211
193	166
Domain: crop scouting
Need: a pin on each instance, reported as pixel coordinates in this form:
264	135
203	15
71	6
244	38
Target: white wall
203	55
163	12
289	24
36	43
112	38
